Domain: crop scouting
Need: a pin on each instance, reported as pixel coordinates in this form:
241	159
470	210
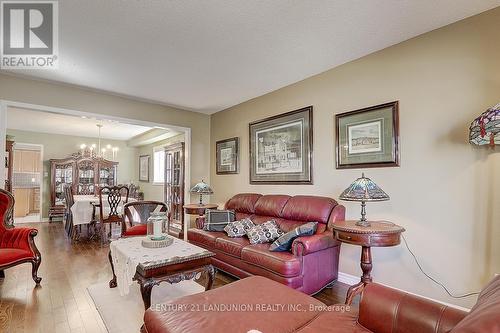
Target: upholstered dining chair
17	245
68	215
137	214
111	201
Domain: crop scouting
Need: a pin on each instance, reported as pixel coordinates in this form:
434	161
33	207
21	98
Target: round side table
379	234
197	209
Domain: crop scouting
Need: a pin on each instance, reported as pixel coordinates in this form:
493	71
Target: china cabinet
174	187
84	172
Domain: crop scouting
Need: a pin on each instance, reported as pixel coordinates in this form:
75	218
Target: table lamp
201	188
363	189
485	129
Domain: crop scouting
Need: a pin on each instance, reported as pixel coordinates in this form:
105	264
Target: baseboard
351	280
348	278
45	219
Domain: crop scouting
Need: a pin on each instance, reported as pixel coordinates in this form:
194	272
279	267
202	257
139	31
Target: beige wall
446	192
74	98
154	192
62	146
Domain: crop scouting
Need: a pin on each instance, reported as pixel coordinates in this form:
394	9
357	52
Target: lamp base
363	223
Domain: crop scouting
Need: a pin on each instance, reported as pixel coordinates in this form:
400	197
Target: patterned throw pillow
284	243
238	228
264	233
216	220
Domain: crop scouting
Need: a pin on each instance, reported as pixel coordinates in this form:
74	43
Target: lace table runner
128	253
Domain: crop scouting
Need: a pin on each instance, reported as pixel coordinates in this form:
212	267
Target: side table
379	233
197	209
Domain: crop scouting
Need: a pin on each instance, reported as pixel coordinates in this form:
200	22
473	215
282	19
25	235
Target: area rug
124	314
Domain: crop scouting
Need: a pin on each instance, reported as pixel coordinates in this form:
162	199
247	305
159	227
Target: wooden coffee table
175	263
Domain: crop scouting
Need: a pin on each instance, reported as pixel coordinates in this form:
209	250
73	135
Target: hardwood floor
61	303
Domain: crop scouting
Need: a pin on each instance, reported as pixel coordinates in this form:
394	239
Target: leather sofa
261	305
313	261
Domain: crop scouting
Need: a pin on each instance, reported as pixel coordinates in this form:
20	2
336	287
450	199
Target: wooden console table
379	233
197	209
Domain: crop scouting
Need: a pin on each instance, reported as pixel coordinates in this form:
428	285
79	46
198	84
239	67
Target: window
158	165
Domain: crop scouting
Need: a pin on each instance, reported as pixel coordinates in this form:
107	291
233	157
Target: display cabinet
84	172
174	187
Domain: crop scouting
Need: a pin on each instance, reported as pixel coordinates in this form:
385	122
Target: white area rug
125	314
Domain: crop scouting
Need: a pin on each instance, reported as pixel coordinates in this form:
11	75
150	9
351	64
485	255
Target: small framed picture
227	156
281	148
144	168
368	137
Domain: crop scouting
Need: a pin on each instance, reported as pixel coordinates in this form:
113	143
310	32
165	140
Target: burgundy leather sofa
381	310
313	261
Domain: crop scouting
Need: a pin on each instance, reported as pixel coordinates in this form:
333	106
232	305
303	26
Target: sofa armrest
309	244
382	309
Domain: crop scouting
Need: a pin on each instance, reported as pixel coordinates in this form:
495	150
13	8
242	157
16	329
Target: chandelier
97	150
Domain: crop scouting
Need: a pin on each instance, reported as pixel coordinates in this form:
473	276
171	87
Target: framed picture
281	148
368	138
227	156
144	168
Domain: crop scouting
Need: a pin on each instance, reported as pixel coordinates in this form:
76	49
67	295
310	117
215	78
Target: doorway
27	169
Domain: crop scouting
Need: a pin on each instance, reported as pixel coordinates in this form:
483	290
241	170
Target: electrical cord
434	280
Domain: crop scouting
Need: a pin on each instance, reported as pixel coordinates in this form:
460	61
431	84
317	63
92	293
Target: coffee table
130	261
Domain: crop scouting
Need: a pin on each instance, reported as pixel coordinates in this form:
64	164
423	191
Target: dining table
83	208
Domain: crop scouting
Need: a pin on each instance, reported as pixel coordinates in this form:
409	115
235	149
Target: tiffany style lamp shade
201	188
363	189
485	129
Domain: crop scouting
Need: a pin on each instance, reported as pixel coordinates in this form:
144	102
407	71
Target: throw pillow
216	220
238	228
264	233
284	242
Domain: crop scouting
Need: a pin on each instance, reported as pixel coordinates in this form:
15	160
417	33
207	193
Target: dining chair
137	214
68	215
111	201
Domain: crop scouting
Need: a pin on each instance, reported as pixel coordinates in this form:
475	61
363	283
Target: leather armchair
382	310
17	245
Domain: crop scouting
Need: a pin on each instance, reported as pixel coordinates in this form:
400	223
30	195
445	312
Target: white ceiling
53	123
208	55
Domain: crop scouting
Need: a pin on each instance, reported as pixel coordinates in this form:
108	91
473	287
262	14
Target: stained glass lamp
201	188
485	129
362	190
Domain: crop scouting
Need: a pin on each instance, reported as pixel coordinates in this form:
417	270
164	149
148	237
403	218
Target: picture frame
144	168
368	137
281	148
227	156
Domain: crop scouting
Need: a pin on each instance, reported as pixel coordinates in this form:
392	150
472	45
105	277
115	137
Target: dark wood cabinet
84	172
174	187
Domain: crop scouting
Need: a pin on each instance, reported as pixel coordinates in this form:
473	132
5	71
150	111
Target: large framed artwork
227	156
281	148
144	168
368	138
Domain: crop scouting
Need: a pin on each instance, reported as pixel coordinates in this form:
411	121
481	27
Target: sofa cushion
308	208
238	228
204	238
485	314
264	233
243	203
252	294
281	263
9	255
284	242
231	245
271	205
